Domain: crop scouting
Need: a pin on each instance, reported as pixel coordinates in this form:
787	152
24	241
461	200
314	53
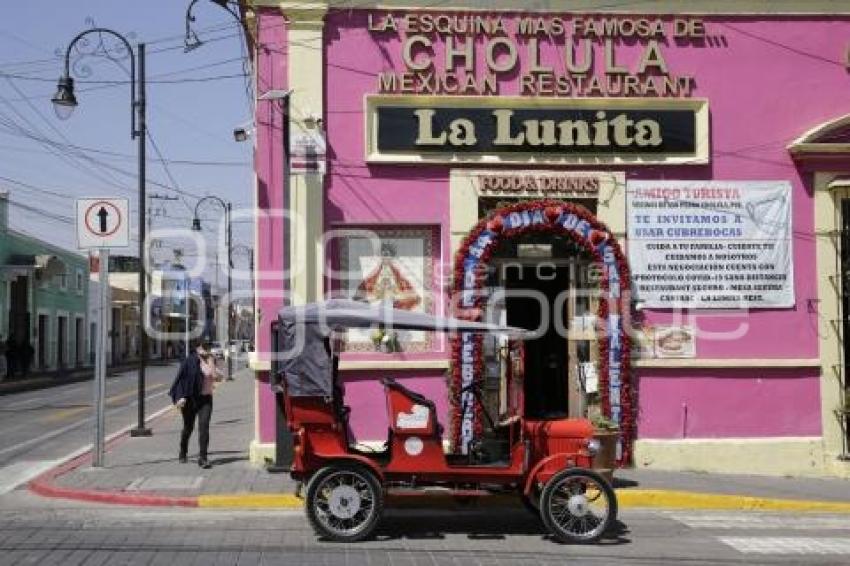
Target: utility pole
141	429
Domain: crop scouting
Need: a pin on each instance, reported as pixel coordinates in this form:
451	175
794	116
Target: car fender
329	459
551	465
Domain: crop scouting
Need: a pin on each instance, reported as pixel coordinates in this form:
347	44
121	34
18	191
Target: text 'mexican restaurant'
667	183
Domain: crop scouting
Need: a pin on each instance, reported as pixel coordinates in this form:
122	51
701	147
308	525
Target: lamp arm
132	53
210	197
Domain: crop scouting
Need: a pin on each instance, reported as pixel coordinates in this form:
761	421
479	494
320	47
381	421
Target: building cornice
766	8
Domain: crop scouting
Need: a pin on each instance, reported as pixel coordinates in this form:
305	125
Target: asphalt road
41	427
42	531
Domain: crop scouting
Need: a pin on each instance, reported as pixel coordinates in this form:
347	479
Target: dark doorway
845	309
42	341
545	356
62	341
80	342
19	316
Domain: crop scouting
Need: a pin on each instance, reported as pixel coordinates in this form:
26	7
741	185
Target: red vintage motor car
546	462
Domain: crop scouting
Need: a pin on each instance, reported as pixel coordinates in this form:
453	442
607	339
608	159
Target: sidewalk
42	380
145	471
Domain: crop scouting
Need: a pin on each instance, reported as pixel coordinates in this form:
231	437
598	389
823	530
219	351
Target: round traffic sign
103	219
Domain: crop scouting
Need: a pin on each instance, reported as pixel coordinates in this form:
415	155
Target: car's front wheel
578	505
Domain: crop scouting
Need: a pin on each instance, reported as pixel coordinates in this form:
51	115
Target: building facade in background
629	160
43	295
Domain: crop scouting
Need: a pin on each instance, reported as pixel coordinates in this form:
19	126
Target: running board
436	490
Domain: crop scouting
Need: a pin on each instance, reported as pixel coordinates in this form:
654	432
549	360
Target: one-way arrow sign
103	214
103	223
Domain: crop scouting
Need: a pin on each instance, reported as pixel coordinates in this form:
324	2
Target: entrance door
62	341
80	341
42	341
546	363
845	309
19	316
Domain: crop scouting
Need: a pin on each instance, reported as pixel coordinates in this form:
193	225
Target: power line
19	77
126	156
68	159
50	142
176	187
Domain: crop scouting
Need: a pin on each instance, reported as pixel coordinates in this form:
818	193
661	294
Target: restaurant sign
519	130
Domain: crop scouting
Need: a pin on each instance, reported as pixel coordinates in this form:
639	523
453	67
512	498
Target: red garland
552	210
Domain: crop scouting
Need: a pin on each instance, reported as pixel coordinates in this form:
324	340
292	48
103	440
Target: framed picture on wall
674	342
380	265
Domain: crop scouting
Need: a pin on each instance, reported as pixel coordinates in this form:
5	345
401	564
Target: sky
194	101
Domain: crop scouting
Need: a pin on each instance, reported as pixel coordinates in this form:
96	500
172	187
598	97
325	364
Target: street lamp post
64	102
196	225
191	41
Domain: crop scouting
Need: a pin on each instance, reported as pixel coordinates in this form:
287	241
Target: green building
43	295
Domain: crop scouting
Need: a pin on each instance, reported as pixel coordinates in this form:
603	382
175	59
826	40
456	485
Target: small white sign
103	223
416	418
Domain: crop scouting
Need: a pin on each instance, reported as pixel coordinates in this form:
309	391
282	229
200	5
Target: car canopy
303	348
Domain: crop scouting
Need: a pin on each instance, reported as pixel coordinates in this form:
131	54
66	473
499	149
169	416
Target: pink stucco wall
730	403
767	81
268	163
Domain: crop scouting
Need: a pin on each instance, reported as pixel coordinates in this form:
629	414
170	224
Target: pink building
669	189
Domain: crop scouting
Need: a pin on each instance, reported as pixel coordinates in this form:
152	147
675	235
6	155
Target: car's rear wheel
344	502
578	505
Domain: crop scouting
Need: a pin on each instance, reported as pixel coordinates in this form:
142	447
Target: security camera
241	134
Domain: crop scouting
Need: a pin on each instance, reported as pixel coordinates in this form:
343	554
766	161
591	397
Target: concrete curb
673	499
43	485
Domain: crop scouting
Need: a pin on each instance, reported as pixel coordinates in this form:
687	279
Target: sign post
102	224
100	358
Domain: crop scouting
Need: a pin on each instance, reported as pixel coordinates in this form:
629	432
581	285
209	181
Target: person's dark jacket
189	381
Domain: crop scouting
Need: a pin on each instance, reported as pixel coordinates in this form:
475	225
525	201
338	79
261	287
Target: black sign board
515	129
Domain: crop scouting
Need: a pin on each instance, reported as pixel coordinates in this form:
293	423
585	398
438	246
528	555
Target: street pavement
38	530
40	428
49	531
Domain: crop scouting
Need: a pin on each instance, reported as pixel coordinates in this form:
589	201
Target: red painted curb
46	489
43	485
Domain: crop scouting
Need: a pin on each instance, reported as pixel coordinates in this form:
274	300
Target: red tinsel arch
597	235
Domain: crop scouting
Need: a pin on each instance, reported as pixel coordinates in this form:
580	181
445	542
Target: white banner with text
711	244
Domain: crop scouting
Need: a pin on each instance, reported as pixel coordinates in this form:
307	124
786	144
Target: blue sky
194	99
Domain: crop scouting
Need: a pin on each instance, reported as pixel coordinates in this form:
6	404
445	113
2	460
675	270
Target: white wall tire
344	502
578	506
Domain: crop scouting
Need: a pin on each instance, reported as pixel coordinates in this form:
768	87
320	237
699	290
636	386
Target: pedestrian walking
192	393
